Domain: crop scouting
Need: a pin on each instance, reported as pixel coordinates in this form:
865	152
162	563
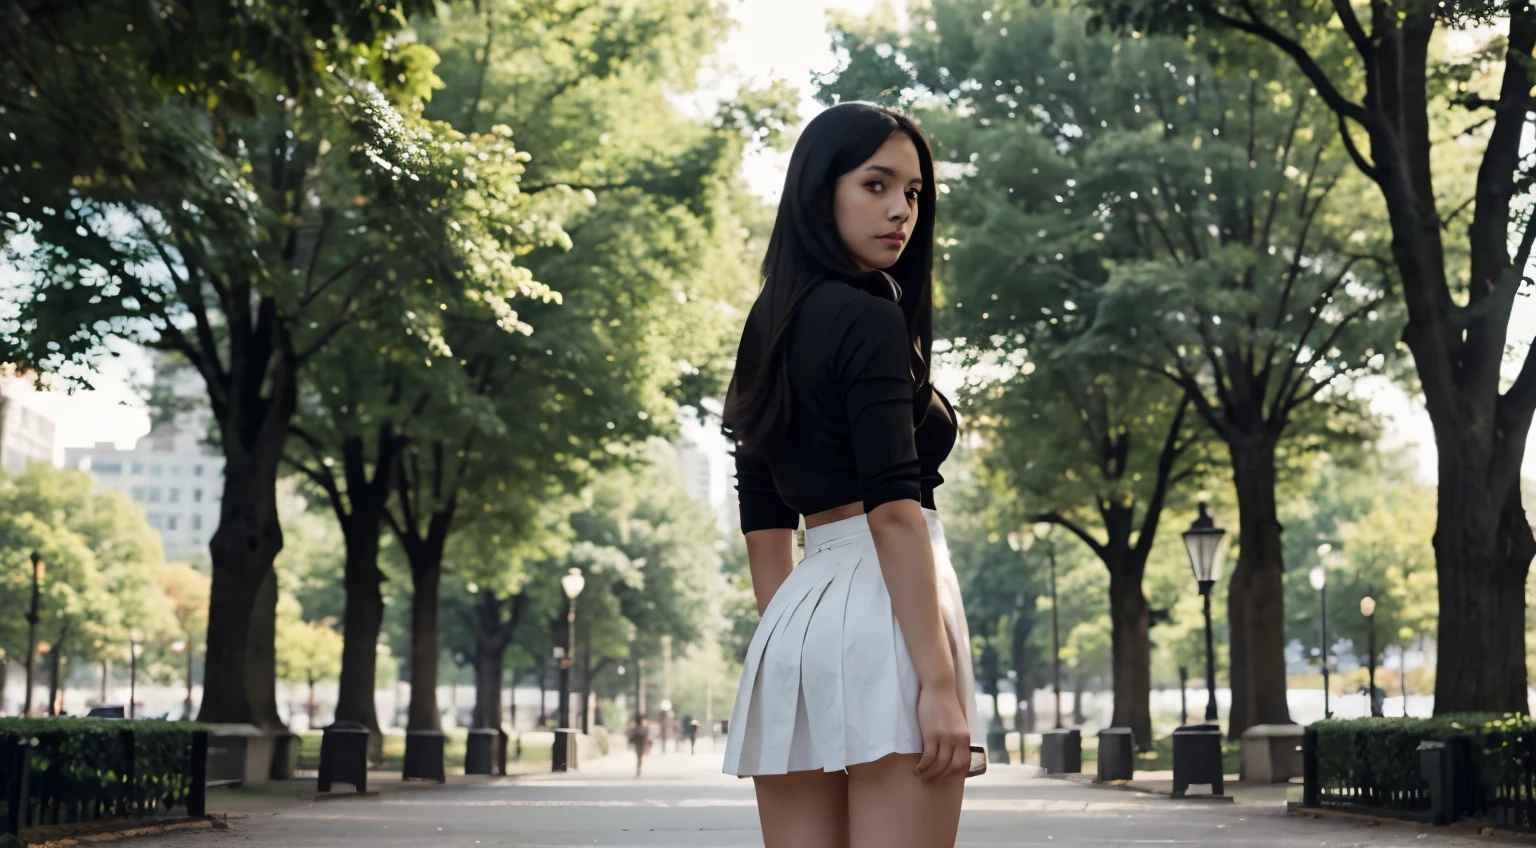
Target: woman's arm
770	555
905	551
875	377
768	524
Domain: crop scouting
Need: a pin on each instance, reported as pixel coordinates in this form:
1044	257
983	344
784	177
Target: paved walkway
685	802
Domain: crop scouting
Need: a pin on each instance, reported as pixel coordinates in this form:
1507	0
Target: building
26	435
704	461
177	479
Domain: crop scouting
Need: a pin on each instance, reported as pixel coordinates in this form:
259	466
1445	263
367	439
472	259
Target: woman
855	707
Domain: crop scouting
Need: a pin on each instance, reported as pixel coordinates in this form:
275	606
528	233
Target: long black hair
805	251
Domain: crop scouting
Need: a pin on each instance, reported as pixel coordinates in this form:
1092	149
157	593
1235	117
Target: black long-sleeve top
851	436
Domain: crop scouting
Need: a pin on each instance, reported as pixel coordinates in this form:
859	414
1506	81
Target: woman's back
848	373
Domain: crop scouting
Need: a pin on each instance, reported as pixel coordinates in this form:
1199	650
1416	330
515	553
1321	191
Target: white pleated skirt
828	682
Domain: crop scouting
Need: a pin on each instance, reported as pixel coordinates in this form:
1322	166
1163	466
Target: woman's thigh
803	809
890	807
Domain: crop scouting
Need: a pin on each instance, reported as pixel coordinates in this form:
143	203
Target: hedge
83	769
1380	756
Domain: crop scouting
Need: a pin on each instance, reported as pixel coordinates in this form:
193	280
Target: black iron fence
1508	775
57	773
1440	771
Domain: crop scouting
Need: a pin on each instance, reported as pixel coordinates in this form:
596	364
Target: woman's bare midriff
838	513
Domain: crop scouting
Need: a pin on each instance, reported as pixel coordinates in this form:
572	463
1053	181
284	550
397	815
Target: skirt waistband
858	525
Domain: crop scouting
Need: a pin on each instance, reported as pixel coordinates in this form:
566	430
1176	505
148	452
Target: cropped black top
850	435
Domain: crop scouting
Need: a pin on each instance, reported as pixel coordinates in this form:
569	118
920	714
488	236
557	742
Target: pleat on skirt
827	681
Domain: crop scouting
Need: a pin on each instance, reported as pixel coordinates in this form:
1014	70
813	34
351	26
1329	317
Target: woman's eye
876	186
913	194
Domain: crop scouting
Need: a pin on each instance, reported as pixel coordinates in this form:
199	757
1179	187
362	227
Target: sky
782	39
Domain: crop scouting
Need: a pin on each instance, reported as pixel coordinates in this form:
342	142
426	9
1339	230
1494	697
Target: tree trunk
1256	595
1132	654
5	672
495	625
1482	573
489	657
1023	685
239	675
54	678
106	677
361	621
1077	698
425	579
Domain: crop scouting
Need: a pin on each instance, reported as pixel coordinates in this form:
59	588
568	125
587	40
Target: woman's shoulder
846	306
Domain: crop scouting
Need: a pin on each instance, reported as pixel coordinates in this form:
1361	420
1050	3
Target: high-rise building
704	463
169	472
26	435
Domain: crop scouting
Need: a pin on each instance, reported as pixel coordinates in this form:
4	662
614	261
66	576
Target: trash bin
423	756
1061	751
1435	767
563	757
1117	754
1197	758
344	756
480	751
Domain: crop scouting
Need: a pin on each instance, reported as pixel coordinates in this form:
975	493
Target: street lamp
177	647
1368	609
32	618
1204	540
572	583
1319	580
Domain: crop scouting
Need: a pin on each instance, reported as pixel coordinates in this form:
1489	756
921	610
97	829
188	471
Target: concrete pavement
684	801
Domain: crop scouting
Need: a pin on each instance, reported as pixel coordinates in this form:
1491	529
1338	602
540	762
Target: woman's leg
803	809
890	807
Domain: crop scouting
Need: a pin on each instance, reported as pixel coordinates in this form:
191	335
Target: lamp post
1368	609
134	651
1319	580
1203	540
1042	531
32	618
572	583
177	648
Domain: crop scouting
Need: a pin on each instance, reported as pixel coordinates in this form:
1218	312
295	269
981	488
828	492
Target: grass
453	750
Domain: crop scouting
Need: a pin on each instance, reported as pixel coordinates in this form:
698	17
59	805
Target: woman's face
875	204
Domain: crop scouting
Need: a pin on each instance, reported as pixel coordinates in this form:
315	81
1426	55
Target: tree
98	556
242	211
1388	86
307	651
186	589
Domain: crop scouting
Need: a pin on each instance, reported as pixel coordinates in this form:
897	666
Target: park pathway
684	801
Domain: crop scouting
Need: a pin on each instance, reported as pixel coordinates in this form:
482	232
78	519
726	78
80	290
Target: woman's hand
946	736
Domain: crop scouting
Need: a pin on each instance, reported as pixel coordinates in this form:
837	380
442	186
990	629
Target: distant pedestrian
693	735
640	739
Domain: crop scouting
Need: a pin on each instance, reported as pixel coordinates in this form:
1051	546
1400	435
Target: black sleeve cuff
899	490
766	513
